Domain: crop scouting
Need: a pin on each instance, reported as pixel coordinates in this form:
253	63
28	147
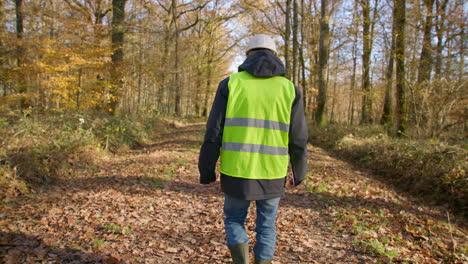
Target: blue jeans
235	212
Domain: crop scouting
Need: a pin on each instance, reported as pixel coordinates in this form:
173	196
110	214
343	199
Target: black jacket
264	64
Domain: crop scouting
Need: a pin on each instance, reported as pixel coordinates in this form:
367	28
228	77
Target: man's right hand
290	181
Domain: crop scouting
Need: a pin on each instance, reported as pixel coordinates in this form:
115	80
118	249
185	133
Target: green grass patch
316	188
98	242
365	226
376	247
114	228
169	173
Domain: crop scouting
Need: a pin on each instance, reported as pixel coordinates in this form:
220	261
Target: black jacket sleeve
209	152
298	139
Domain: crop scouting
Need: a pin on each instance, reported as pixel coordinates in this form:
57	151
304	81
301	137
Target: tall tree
22	86
302	59
295	44
354	50
387	112
118	27
366	113
178	29
3	45
286	36
425	61
441	10
324	43
400	22
19	31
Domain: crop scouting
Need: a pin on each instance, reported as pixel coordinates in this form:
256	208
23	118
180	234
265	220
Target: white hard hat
261	41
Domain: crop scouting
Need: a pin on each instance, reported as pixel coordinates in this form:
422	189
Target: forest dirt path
147	207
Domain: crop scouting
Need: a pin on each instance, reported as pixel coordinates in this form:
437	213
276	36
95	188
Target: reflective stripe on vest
260	123
254	148
256	128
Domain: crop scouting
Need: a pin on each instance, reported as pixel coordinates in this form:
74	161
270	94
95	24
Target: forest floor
146	206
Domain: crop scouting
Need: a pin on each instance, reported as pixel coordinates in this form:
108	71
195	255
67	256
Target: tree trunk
387	112
425	61
323	63
176	59
22	87
140	73
19	31
353	83
295	43
301	54
2	44
176	77
462	54
198	90
354	56
163	73
78	92
366	113
3	86
400	20
207	90
118	17
441	6
286	37
335	84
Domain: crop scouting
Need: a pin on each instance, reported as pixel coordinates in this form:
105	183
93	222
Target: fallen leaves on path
146	206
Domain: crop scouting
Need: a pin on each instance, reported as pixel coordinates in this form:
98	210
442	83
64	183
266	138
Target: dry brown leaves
146	206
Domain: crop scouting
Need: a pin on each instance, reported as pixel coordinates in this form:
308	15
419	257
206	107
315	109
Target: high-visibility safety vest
255	137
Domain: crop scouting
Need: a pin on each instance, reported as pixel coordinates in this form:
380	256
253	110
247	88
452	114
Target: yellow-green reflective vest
255	137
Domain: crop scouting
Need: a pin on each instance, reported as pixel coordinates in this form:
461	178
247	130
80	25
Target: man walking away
257	126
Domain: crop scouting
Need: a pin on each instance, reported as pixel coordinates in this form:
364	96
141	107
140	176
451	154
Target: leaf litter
146	206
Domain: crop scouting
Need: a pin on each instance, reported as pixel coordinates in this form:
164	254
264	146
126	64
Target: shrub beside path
146	206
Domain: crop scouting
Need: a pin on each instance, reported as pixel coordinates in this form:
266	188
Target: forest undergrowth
431	169
84	190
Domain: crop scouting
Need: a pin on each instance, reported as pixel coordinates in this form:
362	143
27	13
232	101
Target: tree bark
400	20
301	54
323	63
353	83
387	112
354	56
335	84
176	59
2	45
163	73
286	37
295	43
366	113
118	17
140	73
207	89
425	61
441	7
19	31
22	87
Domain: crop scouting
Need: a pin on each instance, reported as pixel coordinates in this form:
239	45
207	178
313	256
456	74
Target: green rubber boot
240	253
262	261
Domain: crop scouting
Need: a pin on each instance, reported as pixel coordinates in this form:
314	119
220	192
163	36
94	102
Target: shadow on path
184	143
149	186
23	248
428	197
